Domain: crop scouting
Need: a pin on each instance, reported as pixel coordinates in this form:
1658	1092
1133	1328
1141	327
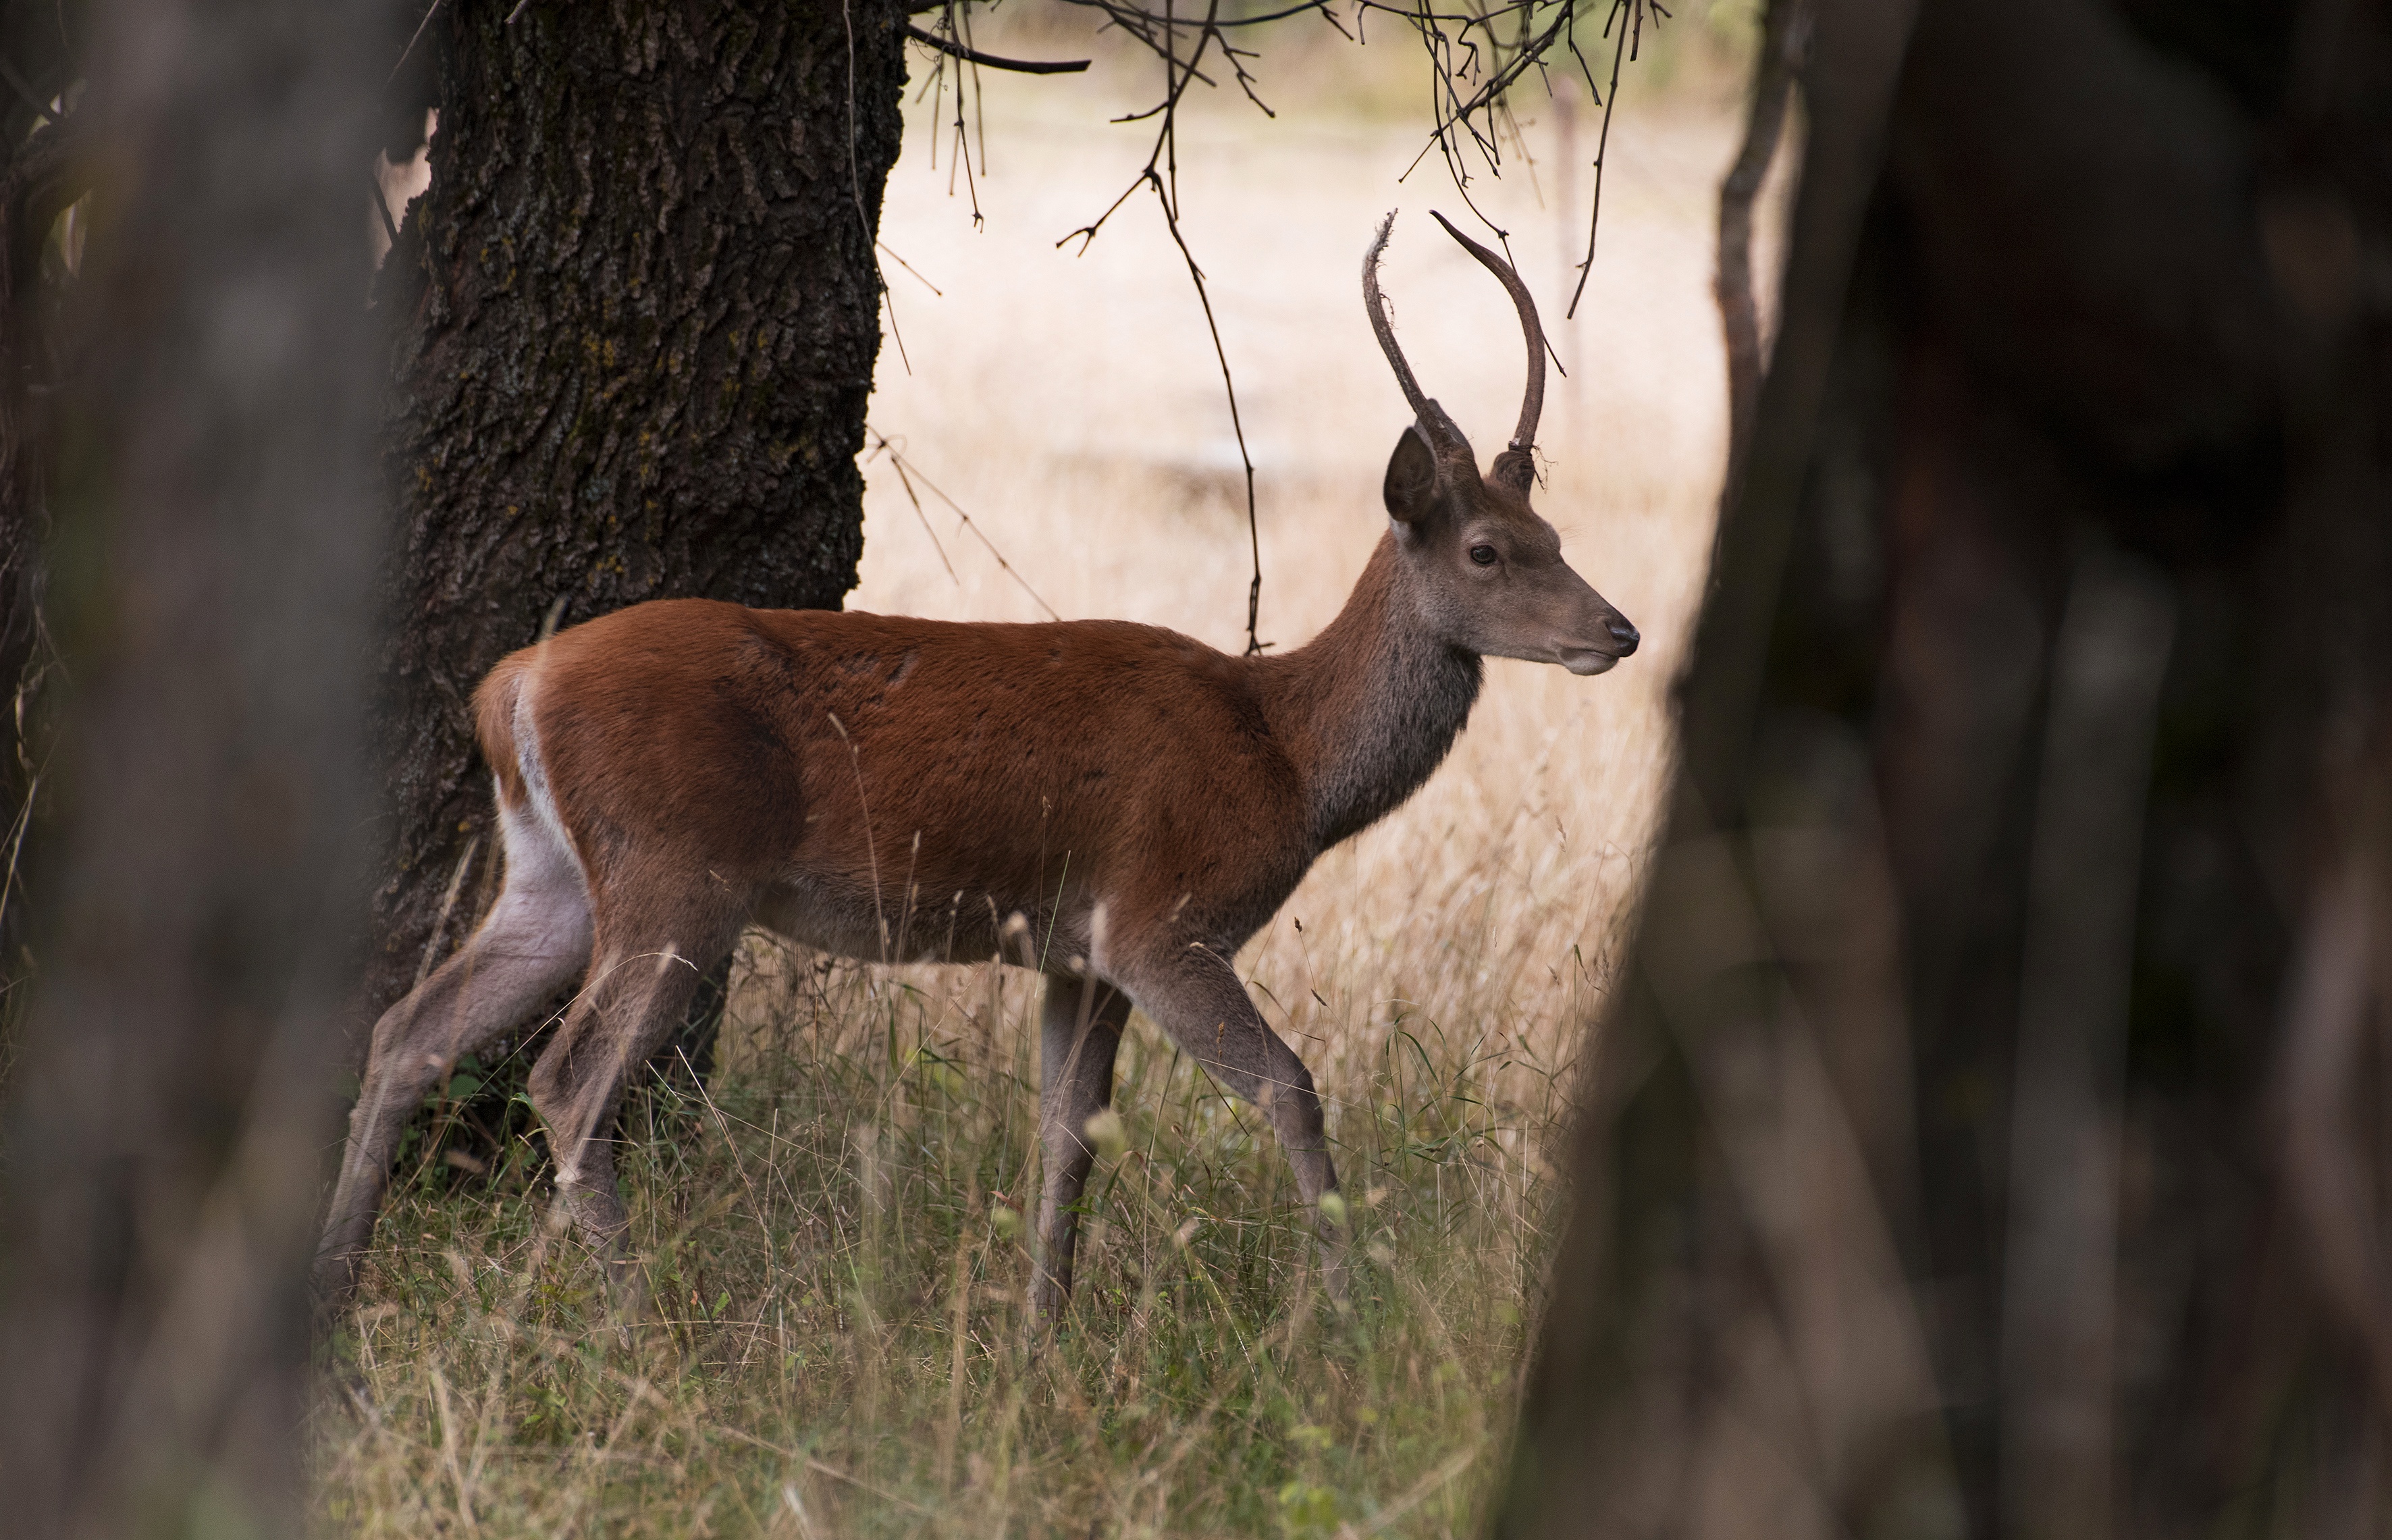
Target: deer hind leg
644	971
1195	997
1080	1031
532	943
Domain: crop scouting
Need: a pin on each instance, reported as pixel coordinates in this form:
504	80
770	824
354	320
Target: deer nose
1624	635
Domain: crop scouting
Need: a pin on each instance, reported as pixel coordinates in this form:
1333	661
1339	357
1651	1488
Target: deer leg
1080	1028
535	939
1196	997
636	995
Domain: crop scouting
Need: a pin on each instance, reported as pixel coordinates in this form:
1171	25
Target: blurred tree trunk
203	885
1989	1135
39	176
634	326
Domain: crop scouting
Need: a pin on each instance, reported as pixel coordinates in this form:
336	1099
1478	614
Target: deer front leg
1194	996
1080	1028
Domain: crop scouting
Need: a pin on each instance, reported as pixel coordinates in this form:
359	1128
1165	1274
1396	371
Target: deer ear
1411	487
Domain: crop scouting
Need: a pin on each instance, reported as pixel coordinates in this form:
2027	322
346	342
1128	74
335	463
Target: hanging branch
973	55
1162	174
1476	58
1475	63
951	40
1474	67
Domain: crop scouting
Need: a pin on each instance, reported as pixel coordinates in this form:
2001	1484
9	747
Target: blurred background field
839	1345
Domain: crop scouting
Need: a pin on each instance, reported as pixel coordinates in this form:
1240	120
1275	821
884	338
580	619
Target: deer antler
1533	404
1422	408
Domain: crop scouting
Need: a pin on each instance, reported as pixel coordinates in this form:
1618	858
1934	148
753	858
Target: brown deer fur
894	789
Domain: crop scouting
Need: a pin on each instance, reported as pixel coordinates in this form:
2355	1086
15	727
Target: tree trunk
1989	1136
39	174
203	885
636	319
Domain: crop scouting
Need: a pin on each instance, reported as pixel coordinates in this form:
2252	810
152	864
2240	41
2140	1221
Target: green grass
838	1342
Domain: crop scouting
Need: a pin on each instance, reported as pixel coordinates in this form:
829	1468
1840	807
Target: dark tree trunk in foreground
1989	1138
637	316
204	882
39	176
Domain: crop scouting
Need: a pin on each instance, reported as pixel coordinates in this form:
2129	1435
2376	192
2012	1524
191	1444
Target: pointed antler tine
1532	403
1377	305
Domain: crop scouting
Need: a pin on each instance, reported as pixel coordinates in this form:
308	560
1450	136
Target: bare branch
973	55
1477	56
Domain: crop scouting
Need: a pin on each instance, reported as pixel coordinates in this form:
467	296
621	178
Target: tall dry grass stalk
834	1230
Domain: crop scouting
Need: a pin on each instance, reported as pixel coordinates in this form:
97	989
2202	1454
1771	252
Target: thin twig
926	284
908	473
1475	63
417	35
448	907
1602	151
919	512
1024	66
382	205
1162	174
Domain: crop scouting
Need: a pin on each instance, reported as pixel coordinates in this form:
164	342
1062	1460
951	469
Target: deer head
1485	571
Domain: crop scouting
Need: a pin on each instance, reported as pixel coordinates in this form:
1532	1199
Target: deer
1114	805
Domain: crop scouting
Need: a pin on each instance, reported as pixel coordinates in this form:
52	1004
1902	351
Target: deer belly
849	919
892	925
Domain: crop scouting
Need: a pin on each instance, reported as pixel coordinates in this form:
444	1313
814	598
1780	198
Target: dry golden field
840	1344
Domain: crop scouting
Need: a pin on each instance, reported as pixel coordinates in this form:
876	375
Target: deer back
903	768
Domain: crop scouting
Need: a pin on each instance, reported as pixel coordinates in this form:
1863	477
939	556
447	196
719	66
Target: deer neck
1368	708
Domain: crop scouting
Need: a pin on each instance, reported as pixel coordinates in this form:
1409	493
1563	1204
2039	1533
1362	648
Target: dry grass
839	1345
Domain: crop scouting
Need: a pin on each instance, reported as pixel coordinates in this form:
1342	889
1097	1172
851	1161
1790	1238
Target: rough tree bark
1988	1136
635	318
203	883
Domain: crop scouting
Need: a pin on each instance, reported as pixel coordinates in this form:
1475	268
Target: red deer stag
671	773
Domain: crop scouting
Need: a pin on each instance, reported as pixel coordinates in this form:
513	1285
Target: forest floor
839	1344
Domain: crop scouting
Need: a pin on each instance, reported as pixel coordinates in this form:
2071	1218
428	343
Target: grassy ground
839	1344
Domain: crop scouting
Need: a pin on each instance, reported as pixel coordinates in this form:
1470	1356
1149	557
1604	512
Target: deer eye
1482	555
